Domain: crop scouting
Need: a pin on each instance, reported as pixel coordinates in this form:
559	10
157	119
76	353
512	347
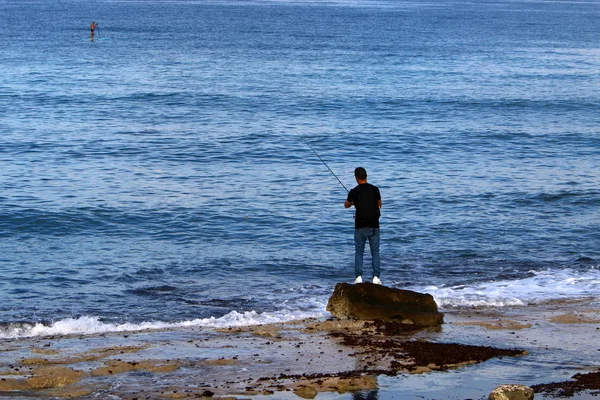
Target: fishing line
317	154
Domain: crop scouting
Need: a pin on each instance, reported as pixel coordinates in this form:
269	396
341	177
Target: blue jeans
360	239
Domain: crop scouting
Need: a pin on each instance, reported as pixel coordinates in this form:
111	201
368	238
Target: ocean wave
573	197
537	288
16	220
92	325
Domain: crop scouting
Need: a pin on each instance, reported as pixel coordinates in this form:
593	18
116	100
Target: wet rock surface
367	301
306	358
393	355
581	382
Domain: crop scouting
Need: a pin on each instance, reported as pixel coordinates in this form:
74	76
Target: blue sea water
160	174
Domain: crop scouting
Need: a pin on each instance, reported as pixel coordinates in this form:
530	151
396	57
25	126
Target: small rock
512	392
306	392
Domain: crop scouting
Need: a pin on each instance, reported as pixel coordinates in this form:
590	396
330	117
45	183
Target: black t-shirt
366	201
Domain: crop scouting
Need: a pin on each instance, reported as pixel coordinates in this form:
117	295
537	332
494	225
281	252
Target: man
367	201
93	27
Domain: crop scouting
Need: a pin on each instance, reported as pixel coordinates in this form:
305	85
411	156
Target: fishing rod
317	154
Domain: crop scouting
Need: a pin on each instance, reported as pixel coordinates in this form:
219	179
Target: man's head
360	174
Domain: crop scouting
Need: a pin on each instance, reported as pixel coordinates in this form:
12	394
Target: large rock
512	392
366	301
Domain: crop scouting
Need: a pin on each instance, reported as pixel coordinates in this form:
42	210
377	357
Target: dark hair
360	173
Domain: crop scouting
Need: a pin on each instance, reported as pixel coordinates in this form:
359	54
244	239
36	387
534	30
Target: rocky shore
303	359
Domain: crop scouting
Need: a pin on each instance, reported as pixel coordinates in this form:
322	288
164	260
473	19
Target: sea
188	166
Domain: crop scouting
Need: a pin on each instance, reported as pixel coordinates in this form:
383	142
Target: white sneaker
358	280
376	280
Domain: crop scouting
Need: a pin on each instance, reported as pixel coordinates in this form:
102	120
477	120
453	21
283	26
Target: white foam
539	287
90	325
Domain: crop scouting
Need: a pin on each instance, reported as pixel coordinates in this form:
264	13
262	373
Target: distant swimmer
93	27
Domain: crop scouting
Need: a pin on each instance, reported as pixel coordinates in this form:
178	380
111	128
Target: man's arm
349	200
379	203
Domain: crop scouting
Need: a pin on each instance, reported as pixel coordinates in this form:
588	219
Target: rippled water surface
160	172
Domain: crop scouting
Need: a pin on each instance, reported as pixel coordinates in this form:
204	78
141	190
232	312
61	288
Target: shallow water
159	174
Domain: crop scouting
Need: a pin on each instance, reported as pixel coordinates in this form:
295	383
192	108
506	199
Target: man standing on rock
367	201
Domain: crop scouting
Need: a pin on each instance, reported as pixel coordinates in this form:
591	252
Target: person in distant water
93	27
366	198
